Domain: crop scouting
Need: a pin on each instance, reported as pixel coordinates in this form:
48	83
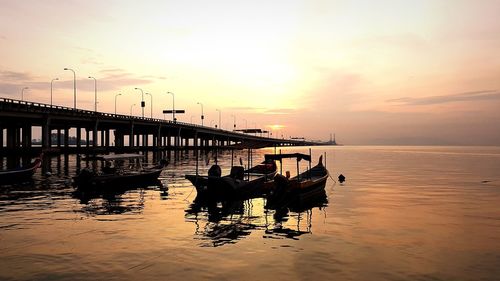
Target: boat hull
116	182
19	175
227	187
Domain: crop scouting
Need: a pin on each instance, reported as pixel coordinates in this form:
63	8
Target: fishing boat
119	171
291	191
239	184
20	174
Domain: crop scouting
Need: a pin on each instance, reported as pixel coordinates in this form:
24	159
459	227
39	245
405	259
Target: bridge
94	132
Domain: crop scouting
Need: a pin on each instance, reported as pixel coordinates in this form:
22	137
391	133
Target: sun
276	127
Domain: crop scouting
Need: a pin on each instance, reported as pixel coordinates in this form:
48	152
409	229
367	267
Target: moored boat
239	184
20	174
117	174
291	191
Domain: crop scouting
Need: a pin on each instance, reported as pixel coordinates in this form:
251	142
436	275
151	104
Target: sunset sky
372	72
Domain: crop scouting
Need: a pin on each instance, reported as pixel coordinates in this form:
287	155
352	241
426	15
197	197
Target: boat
286	191
21	174
239	184
119	171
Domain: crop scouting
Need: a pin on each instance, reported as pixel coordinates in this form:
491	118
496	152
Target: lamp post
132	106
202	117
22	92
173	105
116	96
219	117
51	86
142	101
74	86
95	92
151	103
234	122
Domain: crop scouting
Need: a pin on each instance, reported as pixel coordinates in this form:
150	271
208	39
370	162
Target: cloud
6	75
465	96
275	111
11	82
262	110
245	108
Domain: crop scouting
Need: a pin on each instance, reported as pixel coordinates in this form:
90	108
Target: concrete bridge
93	132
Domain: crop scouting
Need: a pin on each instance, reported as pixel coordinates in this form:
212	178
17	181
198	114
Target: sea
403	213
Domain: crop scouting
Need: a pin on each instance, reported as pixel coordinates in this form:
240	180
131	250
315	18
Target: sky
370	72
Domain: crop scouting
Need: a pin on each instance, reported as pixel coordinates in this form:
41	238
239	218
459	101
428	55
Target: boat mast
310	160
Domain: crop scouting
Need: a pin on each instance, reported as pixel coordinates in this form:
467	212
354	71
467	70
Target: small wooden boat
239	184
292	191
120	171
21	174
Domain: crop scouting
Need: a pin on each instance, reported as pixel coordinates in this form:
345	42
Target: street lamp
173	105
116	96
234	122
51	86
142	101
202	117
22	92
219	118
132	106
151	103
95	92
74	86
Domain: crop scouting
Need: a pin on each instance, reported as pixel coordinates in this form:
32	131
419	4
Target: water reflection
227	222
116	200
297	209
220	222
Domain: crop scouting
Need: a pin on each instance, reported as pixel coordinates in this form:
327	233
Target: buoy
341	178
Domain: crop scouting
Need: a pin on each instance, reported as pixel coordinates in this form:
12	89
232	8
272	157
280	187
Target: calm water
404	213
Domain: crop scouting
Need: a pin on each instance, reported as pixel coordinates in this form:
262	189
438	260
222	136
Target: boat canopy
114	157
298	156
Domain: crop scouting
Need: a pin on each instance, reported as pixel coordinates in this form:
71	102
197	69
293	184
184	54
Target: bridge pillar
103	137
157	142
195	140
78	137
66	137
58	138
106	138
137	140
1	137
46	134
169	140
26	136
87	135
11	137
179	142
118	138
94	135
131	135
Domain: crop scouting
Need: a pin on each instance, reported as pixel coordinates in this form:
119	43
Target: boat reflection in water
227	222
297	209
220	223
116	200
